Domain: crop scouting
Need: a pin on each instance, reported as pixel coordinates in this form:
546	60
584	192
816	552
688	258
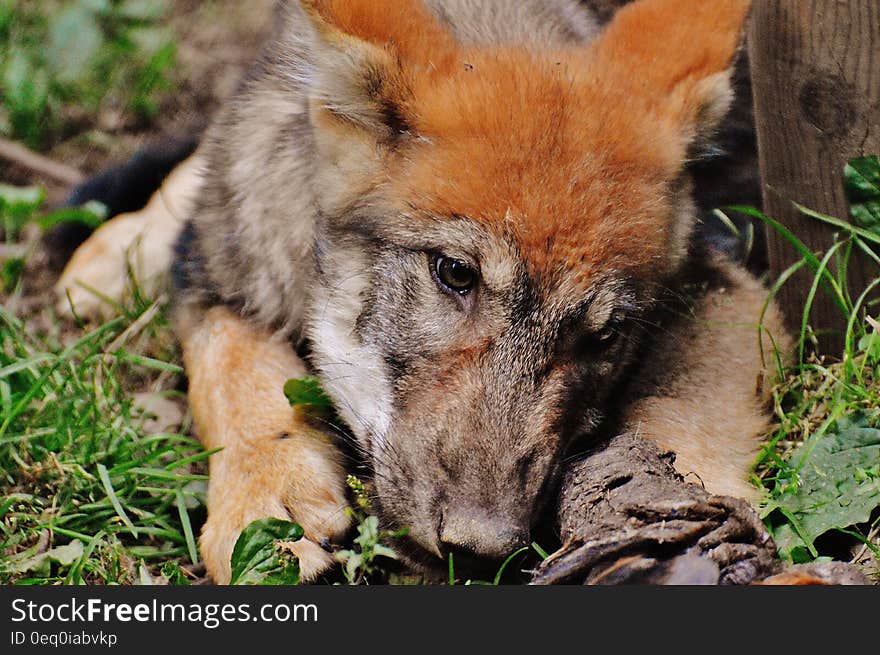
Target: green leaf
91	215
828	485
352	564
307	392
26	87
17	208
384	551
11	272
862	183
21	201
66	555
257	558
175	574
368	532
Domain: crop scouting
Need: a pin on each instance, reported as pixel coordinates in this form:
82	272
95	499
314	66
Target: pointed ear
363	54
676	57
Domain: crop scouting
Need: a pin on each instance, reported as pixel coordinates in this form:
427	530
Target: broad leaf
17	207
862	182
258	557
830	484
21	201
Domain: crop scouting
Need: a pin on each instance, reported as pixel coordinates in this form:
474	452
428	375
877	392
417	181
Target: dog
470	220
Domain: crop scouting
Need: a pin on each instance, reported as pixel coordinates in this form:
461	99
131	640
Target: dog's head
495	222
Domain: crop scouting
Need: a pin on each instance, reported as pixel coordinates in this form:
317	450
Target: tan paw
322	525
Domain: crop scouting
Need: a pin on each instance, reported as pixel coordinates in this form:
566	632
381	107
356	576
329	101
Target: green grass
821	464
81	466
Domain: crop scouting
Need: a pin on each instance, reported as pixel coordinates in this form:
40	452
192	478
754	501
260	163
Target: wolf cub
470	219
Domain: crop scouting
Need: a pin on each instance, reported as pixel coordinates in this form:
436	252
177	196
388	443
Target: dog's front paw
297	479
220	535
139	245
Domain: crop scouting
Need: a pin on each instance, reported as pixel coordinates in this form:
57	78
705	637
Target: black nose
479	534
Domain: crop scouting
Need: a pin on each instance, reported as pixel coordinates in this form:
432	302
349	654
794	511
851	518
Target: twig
21	156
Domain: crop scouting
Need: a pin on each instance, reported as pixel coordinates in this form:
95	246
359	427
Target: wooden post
816	75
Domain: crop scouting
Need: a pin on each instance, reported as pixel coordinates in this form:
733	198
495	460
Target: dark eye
455	275
611	332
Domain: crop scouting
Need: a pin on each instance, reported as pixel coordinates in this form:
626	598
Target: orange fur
575	190
795	579
407	26
273	463
571	152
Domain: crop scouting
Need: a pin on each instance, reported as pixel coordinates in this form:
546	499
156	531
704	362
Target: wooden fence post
816	76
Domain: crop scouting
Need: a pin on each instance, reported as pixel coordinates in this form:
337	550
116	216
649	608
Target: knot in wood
827	103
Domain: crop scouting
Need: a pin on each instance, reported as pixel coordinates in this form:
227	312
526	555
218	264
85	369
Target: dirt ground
216	42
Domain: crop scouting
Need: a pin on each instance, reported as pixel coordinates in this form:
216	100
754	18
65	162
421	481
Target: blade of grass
828	282
186	461
187	528
541	552
787	274
148	362
811	296
513	556
166	475
867	235
849	353
111	493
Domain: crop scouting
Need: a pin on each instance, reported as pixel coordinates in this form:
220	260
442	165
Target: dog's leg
143	239
708	392
275	461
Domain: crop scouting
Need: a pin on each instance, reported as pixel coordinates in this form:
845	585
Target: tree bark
816	79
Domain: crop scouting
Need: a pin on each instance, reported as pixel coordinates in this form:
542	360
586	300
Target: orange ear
675	56
363	56
407	26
